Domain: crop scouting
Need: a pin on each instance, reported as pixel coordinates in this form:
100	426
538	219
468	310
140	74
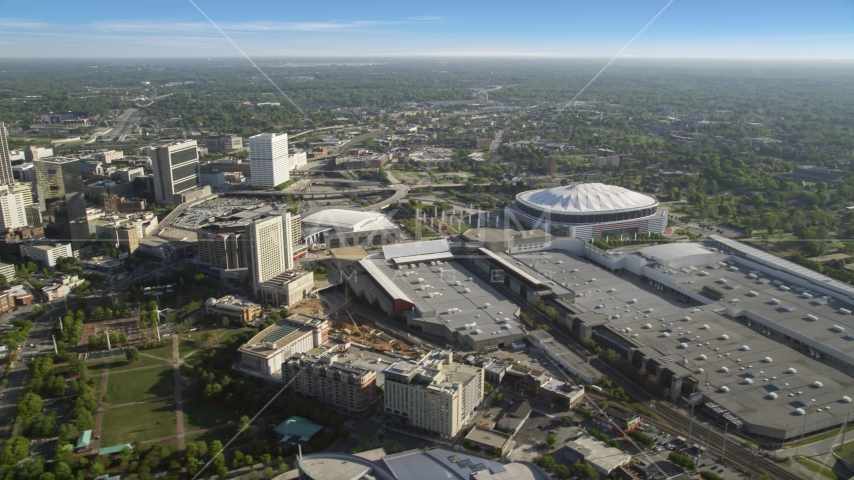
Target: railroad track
677	422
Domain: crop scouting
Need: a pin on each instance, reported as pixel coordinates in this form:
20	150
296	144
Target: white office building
12	211
269	161
48	253
267	249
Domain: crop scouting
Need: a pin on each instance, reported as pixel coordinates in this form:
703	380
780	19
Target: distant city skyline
761	29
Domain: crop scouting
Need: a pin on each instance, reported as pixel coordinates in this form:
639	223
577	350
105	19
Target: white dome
586	198
210	302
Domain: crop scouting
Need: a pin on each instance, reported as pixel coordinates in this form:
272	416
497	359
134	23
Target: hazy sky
786	29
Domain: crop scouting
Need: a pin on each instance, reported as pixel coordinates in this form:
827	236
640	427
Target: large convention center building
587	211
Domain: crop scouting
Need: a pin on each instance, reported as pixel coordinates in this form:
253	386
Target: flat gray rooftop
447	283
715	342
597	289
817	318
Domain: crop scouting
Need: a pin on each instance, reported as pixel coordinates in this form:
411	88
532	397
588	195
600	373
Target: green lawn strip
823	436
141	385
222	434
162	352
145	421
846	451
199	414
817	467
120	364
320	277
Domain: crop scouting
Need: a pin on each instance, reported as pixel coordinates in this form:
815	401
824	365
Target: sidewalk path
179	405
99	414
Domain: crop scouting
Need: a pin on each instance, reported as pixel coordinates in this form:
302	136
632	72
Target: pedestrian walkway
99	414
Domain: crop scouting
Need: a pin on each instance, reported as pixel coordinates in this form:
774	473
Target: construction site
355	329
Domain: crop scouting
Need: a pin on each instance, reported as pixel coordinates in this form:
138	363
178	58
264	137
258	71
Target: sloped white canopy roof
586	198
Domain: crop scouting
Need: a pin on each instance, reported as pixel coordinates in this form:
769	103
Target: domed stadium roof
587	198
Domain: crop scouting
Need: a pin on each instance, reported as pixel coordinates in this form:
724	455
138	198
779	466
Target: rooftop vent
792	370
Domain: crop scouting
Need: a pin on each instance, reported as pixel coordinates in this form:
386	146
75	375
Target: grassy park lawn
199	414
162	352
141	422
140	385
119	364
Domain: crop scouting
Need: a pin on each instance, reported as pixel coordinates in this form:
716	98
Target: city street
39	336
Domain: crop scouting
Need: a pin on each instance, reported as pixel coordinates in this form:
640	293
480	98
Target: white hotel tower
268	159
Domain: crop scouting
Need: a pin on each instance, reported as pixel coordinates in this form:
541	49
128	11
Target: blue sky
781	29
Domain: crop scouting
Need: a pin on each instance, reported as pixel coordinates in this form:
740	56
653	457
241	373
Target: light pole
691	425
723	450
803	430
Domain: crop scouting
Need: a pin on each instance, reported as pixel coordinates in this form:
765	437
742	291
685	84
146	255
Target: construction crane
356	326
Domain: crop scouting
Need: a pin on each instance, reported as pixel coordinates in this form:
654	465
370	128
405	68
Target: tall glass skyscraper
5	160
60	189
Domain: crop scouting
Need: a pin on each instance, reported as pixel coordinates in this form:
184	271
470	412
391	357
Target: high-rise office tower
13	212
267	246
292	231
5	157
268	159
60	190
176	170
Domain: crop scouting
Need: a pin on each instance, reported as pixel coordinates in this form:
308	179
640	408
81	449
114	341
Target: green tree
30	405
14	450
551	441
546	462
132	355
561	472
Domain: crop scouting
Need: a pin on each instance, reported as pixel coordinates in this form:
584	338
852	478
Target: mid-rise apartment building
268	159
434	394
345	388
12	211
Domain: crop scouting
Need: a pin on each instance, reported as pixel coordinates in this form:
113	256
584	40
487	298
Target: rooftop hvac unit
665	334
612	290
635	335
458	283
420	280
478	331
634	300
788	308
800	411
792	370
748	381
725	337
818	384
703	273
752	294
733	269
683	345
649	310
846	399
592	280
784	288
811	318
752	275
850	336
806	295
734	300
844	311
772	396
721	280
432	295
724	369
705	327
768	360
838	328
703	357
745	348
648	326
686	319
724	389
764	281
467	290
775	301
